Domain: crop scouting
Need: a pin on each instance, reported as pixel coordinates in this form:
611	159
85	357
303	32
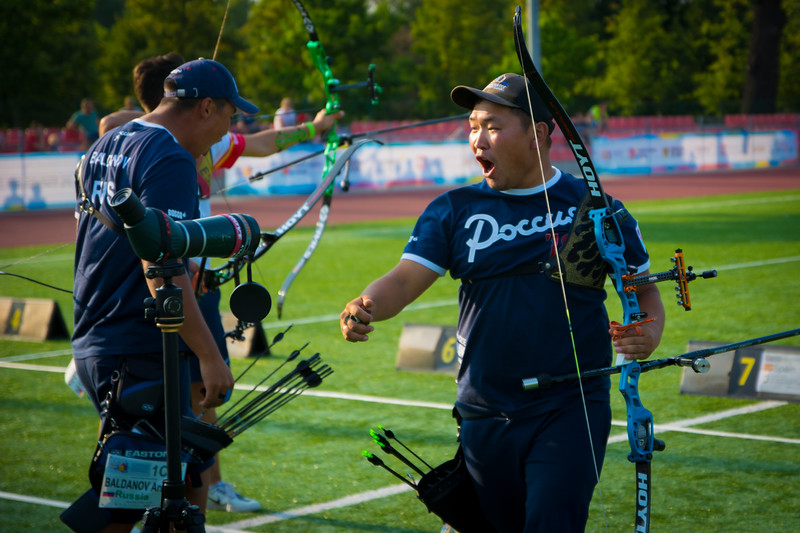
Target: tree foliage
275	63
718	88
182	26
49	58
789	82
641	56
458	42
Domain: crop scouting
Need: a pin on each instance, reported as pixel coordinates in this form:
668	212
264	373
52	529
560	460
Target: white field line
683	425
354	499
31	499
38	355
39	368
712	204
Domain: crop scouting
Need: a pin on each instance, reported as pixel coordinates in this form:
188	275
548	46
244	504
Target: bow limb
320	61
541	89
611	247
215	277
606	226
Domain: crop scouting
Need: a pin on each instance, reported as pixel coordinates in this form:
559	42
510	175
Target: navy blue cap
206	78
506	90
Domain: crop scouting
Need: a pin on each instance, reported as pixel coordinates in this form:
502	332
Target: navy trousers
537	474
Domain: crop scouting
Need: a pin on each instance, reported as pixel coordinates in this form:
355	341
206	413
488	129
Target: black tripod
167	310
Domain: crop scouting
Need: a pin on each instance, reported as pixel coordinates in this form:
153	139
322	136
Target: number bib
129	469
133	483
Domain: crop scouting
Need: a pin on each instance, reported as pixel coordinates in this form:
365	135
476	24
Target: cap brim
467	96
244	105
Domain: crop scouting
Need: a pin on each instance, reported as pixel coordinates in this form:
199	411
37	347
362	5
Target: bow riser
613	254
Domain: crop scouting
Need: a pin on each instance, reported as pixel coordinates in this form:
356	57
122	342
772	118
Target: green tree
153	27
458	42
646	66
642	56
789	83
275	62
48	58
725	35
568	60
395	62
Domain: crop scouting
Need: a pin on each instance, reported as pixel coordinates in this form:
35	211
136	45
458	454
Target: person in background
148	76
285	115
129	104
527	452
598	117
86	121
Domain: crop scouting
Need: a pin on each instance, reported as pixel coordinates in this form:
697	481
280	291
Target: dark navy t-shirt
512	324
110	285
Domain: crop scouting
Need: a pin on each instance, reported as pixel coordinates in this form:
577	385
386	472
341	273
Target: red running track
56	226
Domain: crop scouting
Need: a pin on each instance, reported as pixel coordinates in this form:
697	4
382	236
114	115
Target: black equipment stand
167	310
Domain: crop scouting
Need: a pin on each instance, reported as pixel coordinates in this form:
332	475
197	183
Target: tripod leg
188	518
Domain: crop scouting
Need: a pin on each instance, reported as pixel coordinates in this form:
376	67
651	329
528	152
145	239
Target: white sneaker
223	497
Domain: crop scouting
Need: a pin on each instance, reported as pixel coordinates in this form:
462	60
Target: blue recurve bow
611	247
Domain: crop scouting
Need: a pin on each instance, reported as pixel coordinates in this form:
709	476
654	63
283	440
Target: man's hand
324	122
217	381
355	319
637	342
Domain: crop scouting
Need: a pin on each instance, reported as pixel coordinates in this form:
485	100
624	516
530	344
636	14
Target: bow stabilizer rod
695	359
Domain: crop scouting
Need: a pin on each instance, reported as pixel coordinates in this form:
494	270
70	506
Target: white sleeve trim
424	262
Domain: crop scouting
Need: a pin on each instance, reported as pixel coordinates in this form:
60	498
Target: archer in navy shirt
529	453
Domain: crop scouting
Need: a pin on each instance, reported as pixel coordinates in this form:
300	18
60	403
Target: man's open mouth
485	164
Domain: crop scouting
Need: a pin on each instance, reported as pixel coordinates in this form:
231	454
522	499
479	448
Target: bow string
611	247
607	232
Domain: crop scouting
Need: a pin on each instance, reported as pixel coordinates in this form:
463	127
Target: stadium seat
71	140
737	120
13	140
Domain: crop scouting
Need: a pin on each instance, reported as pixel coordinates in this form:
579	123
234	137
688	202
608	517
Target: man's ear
207	107
542	131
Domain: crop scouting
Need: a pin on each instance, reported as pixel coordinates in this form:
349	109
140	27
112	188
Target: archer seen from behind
115	346
533	461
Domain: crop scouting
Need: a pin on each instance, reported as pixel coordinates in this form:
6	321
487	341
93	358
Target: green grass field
309	452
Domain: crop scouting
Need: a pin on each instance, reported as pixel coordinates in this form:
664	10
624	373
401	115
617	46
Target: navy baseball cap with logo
506	90
206	78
